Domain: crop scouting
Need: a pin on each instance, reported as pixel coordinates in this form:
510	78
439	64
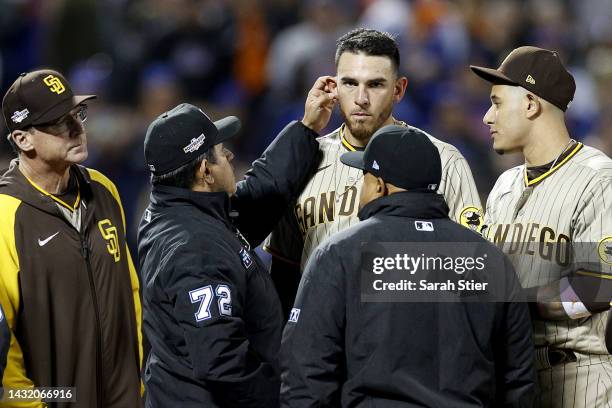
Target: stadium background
256	59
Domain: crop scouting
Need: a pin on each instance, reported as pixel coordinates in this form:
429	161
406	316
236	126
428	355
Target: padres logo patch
54	84
471	217
605	250
109	233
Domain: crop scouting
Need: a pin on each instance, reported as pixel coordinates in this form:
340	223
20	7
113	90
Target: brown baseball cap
538	70
39	97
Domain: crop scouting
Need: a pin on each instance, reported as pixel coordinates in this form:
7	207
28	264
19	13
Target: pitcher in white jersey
553	217
367	84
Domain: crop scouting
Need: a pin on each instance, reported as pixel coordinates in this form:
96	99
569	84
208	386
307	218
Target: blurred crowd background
256	59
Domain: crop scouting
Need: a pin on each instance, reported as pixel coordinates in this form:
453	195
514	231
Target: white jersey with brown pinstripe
551	223
330	200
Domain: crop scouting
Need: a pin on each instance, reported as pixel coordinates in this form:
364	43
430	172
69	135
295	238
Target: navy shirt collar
410	204
216	204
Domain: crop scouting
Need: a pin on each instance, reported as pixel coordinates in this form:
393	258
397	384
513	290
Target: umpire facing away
211	312
340	351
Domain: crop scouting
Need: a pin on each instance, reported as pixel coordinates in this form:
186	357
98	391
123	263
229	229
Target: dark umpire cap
538	70
181	135
400	155
39	97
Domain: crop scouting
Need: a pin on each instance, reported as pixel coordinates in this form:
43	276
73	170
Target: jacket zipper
99	382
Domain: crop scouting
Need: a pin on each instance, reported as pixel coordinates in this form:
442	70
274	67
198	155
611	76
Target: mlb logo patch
423	226
294	315
246	259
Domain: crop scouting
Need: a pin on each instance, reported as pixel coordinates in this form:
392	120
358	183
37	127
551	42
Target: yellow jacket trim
15	374
57	200
110	186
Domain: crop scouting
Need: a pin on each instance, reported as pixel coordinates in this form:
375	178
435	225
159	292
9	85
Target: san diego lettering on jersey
326	207
531	239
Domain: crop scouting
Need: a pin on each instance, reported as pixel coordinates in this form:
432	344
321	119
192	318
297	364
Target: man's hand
587	294
320	102
548	305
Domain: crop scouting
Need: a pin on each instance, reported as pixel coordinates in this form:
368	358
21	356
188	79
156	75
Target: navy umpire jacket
211	312
338	351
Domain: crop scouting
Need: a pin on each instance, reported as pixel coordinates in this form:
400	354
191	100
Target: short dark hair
369	42
184	176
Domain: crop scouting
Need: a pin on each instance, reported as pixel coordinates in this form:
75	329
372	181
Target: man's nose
487	119
363	98
75	126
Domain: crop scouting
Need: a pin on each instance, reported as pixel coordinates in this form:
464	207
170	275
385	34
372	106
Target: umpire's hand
320	102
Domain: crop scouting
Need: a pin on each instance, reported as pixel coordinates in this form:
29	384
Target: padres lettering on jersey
326	207
540	223
330	201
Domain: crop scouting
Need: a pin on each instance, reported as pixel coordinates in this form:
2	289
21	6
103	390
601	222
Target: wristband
572	305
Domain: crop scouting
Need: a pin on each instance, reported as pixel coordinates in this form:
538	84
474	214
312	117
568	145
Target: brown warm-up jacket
70	297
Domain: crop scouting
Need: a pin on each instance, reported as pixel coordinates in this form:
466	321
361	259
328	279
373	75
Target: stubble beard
363	131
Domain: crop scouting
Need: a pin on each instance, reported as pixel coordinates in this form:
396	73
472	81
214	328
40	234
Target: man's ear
205	173
381	187
533	107
23	140
400	89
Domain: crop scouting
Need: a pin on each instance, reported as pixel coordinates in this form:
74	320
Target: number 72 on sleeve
205	295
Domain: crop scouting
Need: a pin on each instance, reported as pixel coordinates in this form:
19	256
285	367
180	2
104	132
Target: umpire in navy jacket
211	312
340	351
